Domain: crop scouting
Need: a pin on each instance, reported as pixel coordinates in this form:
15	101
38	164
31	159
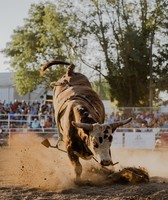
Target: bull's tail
56	62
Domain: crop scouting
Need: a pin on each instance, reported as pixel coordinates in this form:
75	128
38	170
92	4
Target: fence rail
7	120
123	137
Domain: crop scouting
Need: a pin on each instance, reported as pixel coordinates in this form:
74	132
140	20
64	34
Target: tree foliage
123	35
44	36
126	33
161	60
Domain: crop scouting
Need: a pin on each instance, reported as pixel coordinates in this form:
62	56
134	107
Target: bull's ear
52	84
86	126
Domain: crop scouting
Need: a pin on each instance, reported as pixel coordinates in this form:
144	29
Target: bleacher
38	118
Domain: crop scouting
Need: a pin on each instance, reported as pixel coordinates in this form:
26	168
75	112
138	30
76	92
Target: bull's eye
100	140
110	138
105	136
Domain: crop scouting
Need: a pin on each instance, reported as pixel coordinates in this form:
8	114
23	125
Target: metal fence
24	125
19	121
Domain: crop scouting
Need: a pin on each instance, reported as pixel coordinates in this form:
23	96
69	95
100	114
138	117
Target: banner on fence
139	140
117	140
134	140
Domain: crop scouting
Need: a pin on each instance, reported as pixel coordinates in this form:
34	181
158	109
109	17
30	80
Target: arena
28	170
105	123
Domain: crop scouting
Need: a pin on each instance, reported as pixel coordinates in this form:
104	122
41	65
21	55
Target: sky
12	14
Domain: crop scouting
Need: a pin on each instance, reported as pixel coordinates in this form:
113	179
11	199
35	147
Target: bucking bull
80	116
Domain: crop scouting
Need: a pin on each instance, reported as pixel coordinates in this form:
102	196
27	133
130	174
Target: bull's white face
100	143
101	138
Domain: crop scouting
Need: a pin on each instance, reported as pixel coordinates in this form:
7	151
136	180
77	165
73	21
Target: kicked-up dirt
28	170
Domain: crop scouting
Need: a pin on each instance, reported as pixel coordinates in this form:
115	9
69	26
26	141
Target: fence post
9	128
123	140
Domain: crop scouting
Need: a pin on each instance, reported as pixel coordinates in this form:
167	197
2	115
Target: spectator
25	112
111	118
11	113
35	124
42	123
48	122
14	106
148	118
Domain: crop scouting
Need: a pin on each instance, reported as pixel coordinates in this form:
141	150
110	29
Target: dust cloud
28	163
154	161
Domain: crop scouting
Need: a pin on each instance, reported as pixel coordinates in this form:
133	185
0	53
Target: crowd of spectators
142	119
31	114
37	114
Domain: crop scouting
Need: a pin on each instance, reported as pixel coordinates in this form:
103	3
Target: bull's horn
55	62
120	123
70	70
86	126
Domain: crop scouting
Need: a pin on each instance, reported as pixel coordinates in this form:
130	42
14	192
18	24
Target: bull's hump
79	79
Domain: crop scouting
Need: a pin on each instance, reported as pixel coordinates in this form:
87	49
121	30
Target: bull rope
60	149
57	147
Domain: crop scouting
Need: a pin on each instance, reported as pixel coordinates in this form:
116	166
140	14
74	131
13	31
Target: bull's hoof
130	175
104	171
80	182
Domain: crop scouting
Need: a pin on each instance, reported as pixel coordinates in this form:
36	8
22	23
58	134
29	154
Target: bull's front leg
75	162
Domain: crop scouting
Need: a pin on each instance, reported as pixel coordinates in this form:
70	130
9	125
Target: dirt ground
28	170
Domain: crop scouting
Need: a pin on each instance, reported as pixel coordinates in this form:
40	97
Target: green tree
126	34
45	36
161	60
122	35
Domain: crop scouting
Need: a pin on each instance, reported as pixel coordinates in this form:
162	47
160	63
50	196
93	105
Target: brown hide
70	92
77	107
77	87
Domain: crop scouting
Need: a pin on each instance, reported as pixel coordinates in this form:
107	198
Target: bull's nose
105	162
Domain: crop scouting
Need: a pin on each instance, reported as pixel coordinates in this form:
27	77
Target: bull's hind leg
76	164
